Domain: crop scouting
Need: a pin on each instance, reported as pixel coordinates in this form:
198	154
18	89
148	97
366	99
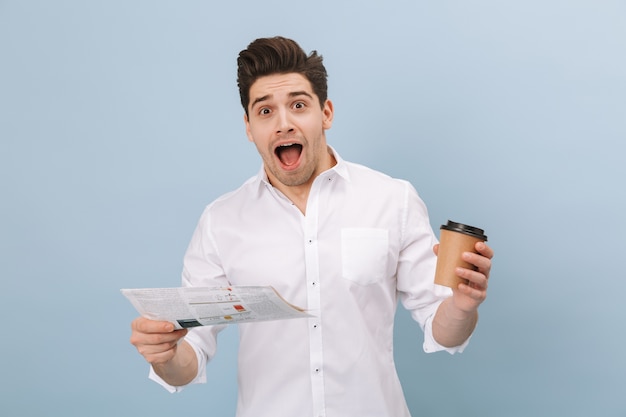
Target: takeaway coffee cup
455	238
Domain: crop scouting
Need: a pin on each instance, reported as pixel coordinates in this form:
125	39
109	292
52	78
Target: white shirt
364	243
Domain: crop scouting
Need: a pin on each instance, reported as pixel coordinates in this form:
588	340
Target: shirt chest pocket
364	254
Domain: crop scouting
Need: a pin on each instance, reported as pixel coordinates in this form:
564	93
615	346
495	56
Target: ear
328	114
247	123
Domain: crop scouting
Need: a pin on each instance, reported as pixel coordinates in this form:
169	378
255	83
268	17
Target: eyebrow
291	95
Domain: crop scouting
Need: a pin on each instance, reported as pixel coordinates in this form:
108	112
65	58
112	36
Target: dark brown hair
278	55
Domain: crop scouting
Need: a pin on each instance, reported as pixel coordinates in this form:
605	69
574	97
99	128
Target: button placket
310	241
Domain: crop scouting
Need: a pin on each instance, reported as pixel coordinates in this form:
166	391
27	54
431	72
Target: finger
152	349
482	263
144	325
484	249
471	290
475	279
467	298
138	338
436	249
158	338
156	356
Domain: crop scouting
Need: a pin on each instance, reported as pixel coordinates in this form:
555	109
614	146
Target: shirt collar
341	168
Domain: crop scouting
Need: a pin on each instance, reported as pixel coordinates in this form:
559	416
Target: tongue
289	155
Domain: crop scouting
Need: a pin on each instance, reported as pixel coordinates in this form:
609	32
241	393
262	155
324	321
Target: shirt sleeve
199	379
430	344
201	268
416	270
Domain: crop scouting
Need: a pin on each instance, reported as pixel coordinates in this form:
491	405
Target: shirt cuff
199	379
431	345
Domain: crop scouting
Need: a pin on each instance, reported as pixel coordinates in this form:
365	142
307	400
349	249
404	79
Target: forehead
276	84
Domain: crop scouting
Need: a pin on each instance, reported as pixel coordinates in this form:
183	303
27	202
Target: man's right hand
156	341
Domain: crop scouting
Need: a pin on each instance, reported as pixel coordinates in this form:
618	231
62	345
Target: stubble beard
300	176
303	174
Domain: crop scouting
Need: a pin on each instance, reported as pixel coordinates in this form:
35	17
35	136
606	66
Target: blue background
120	121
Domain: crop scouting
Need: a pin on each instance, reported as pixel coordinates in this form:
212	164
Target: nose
284	123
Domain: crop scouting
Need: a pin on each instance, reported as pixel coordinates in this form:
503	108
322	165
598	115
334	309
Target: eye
264	111
299	105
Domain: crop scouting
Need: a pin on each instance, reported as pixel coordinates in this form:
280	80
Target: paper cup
455	238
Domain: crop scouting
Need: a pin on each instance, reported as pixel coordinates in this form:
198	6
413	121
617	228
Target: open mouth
289	153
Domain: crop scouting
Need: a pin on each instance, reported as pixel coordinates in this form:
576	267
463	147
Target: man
341	240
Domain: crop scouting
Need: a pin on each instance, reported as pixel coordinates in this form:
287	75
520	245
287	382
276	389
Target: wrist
456	313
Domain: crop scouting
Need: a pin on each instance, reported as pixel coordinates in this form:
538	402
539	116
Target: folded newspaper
200	306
